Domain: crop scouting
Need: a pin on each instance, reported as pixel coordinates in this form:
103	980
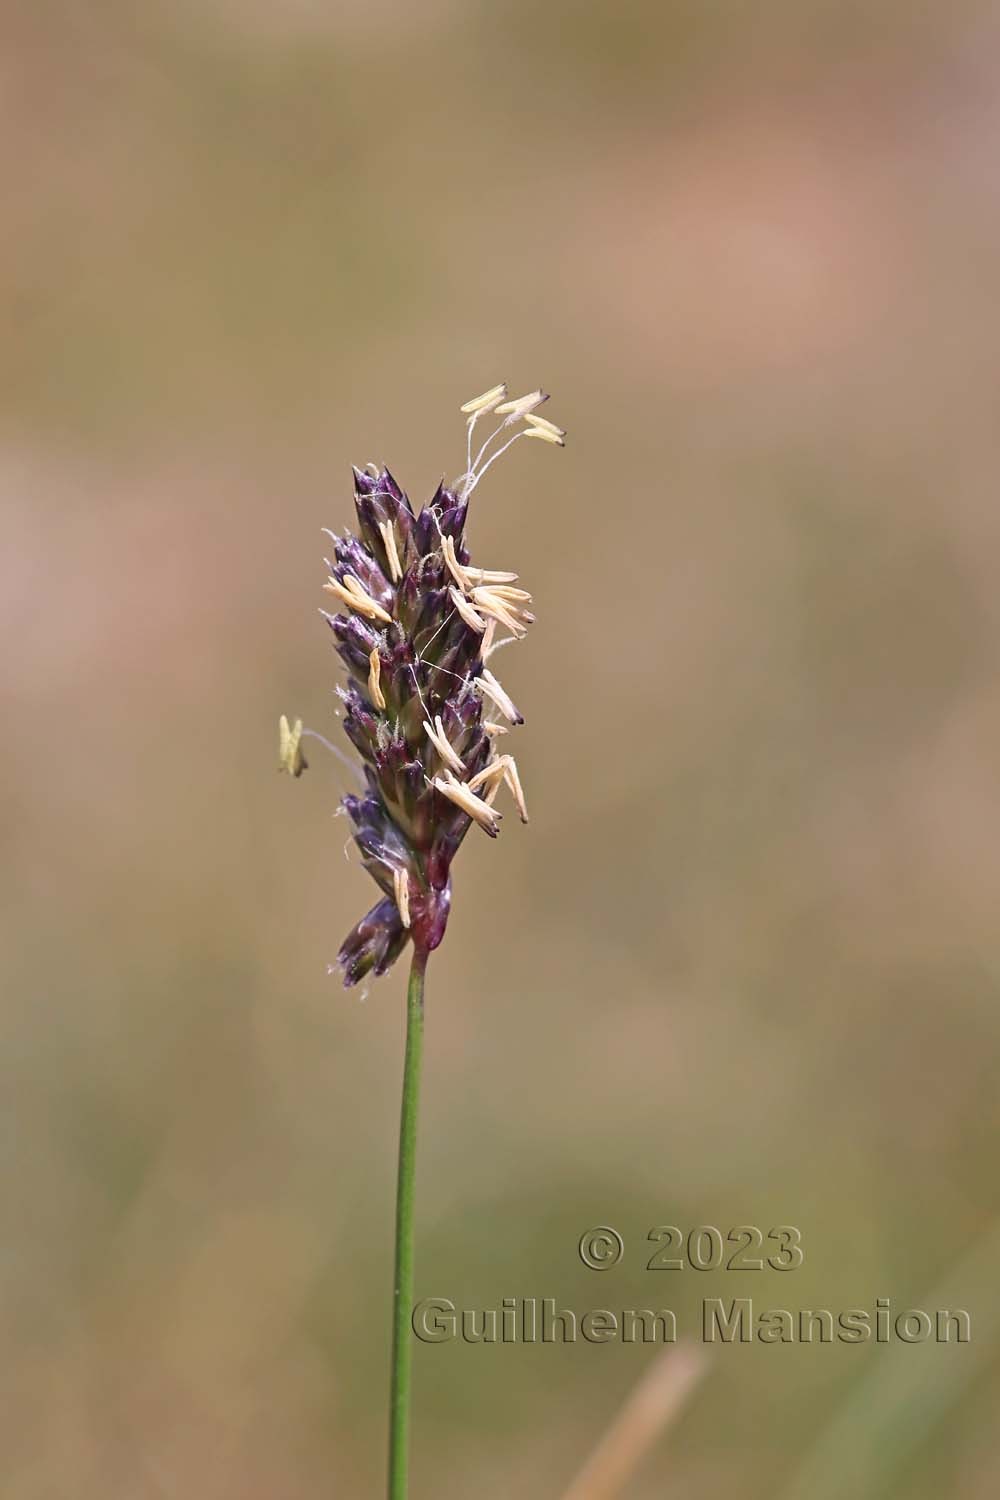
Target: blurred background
741	968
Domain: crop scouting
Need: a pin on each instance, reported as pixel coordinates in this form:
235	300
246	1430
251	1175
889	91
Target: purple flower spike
417	626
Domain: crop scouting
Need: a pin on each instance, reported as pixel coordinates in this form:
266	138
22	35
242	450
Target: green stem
402	1349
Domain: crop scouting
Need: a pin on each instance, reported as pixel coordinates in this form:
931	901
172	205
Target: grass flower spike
415	626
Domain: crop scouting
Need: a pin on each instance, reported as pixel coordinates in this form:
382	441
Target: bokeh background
741	968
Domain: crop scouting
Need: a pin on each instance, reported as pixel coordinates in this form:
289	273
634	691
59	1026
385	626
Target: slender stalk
649	1409
402	1349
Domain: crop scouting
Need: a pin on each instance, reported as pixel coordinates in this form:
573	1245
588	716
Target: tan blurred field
743	965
